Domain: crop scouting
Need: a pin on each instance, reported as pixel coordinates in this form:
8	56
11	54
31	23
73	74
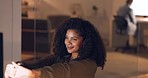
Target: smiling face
73	42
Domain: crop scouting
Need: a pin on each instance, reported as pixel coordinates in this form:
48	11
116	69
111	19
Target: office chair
121	25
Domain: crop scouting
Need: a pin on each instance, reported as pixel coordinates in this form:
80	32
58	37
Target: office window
140	7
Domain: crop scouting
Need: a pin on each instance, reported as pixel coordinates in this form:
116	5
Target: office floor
124	65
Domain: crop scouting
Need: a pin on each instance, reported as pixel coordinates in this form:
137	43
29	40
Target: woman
78	51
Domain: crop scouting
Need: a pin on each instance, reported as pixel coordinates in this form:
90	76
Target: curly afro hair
92	47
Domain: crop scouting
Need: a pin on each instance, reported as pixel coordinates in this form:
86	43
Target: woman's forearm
38	63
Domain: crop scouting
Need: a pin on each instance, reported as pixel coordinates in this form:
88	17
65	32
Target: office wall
10	26
101	17
117	4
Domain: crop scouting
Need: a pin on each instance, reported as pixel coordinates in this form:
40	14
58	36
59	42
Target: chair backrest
121	24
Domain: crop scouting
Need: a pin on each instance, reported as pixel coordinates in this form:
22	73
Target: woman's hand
22	72
15	71
10	71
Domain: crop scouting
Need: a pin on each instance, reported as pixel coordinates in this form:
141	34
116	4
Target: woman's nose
68	42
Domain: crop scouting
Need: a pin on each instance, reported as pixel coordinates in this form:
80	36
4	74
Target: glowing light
140	7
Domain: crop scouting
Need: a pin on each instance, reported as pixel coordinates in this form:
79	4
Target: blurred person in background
126	12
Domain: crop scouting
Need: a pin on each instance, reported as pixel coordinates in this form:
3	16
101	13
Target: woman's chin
69	52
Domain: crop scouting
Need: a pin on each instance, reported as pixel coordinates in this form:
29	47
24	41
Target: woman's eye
74	39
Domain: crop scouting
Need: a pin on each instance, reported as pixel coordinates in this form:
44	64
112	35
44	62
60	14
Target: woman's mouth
69	48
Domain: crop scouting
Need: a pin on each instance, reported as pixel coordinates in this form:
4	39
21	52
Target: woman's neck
74	55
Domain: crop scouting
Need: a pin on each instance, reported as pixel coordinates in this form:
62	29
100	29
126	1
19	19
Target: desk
143	32
142	19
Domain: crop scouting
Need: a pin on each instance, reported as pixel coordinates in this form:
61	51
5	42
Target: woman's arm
38	63
76	69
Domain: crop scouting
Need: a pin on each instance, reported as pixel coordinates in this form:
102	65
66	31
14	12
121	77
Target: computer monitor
1	55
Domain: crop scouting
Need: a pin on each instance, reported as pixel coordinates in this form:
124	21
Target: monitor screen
140	7
1	55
